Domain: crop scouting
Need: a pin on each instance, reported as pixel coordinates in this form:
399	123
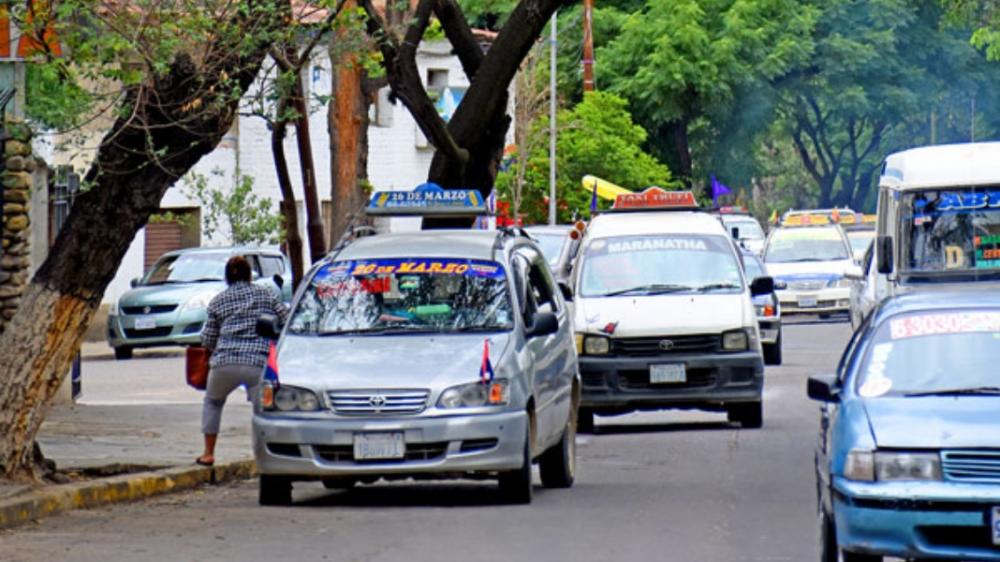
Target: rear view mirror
762	286
135	282
278	281
823	388
854	273
884	253
566	291
542	324
268	326
735	231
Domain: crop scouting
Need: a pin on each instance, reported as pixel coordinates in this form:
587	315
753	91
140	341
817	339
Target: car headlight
596	345
896	466
476	395
198	302
765	310
736	340
860	466
288	398
839	283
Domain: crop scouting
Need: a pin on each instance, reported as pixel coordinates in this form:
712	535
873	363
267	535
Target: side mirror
824	388
542	324
854	273
268	326
762	286
135	282
278	280
884	254
566	291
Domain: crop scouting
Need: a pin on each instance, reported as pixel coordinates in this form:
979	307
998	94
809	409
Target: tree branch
404	76
459	34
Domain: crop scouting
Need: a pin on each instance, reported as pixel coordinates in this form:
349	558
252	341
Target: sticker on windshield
947	323
410	266
633	244
876	383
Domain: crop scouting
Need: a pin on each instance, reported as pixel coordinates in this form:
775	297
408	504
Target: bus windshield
952	230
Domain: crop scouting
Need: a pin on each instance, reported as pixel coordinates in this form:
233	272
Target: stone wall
15	263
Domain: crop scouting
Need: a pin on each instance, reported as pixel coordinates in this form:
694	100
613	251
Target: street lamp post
552	122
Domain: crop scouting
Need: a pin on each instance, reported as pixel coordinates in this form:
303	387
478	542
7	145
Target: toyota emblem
147	310
666	345
377	401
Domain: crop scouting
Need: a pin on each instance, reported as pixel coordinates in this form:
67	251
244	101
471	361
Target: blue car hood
935	422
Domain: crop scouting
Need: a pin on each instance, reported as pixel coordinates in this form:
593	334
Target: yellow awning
605	189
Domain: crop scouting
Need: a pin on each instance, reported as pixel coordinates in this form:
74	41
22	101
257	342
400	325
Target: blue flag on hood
718	190
593	199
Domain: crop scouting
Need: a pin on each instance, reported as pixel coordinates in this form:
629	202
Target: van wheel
122	353
585	420
750	415
558	465
515	485
772	352
275	490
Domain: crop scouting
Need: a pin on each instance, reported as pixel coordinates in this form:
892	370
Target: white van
938	220
664	316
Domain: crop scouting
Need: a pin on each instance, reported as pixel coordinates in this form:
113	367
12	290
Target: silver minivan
439	354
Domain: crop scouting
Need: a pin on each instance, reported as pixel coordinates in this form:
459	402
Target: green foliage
596	137
237	213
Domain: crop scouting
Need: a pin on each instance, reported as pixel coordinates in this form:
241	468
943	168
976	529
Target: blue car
908	462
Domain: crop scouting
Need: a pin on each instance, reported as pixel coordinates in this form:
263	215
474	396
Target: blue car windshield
188	268
405	295
929	352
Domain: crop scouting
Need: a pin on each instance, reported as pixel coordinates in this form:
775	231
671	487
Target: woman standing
238	353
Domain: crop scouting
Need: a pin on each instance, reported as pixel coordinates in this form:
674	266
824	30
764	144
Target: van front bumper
937	520
713	380
311	447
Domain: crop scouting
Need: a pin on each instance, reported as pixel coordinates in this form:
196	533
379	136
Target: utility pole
553	42
588	46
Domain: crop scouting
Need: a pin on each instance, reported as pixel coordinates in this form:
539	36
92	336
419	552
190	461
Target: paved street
665	486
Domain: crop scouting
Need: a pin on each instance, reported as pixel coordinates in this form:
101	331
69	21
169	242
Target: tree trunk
678	157
348	126
289	210
156	142
303	139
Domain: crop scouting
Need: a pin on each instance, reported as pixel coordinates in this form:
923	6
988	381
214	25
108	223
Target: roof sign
733	210
655	198
428	199
805	220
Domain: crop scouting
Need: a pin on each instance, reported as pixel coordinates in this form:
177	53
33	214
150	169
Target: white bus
938	220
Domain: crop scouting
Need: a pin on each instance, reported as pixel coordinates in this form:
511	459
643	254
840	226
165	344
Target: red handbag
196	366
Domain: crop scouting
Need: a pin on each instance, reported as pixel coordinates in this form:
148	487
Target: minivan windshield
951	230
551	244
748	227
647	265
806	244
404	295
949	352
188	268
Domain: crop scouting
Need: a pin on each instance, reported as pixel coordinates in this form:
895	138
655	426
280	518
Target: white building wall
399	156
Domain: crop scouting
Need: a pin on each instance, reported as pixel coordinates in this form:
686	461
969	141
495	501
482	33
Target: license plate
995	525
374	446
145	323
673	373
808	302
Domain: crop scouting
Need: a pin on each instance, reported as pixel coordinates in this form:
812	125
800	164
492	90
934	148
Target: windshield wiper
473	329
652	289
382	330
717	287
971	391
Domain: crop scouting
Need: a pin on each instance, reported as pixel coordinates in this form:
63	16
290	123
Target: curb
51	500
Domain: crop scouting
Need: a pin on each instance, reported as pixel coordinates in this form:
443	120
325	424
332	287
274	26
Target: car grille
414	452
652	345
806	285
971	466
153	309
954	536
159	332
638	379
378	402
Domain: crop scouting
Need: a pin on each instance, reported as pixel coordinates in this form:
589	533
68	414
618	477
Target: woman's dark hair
237	269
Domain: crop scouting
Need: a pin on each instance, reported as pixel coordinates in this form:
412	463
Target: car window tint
271	266
541	286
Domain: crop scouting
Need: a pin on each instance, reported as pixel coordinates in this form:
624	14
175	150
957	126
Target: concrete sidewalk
137	420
